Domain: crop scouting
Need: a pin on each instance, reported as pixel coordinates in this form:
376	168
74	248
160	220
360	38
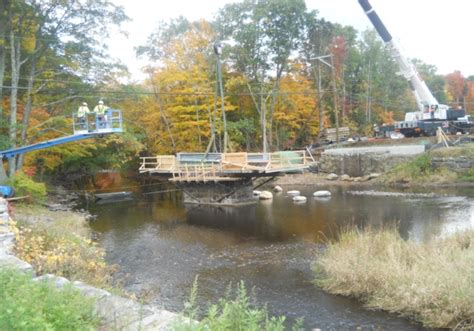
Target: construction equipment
431	114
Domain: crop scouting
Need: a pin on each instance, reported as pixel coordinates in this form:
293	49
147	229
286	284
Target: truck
431	115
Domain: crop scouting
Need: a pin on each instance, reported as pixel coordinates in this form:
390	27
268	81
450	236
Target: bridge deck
201	167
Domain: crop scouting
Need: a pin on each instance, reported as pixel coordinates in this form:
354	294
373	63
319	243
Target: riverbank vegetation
38	305
431	282
59	243
235	311
422	169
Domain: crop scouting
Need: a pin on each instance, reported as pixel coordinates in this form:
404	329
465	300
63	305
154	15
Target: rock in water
265	195
277	188
299	198
345	178
322	194
332	177
293	193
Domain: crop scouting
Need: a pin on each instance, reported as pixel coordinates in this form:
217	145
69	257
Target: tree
264	34
67	34
455	85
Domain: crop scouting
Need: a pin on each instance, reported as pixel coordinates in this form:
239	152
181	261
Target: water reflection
161	245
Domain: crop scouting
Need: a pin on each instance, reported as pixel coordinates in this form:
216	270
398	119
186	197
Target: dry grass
464	150
59	243
432	283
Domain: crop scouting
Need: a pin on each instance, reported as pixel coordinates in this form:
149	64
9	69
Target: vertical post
218	52
334	82
321	112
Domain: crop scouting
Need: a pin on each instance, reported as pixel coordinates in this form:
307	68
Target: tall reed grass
432	282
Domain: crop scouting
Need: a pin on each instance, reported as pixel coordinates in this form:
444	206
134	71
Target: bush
431	282
231	314
61	246
29	305
24	185
417	171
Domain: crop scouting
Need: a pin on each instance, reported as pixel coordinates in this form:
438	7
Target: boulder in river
277	188
318	194
332	177
299	199
265	195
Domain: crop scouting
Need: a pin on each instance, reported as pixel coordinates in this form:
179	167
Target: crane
428	107
431	115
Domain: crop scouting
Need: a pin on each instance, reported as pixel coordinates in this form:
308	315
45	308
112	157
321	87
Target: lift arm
45	144
83	129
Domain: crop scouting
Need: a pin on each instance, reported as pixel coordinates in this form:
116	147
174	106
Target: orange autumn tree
296	116
183	90
455	83
469	98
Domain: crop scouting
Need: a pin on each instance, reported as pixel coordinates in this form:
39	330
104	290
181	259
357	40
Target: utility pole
218	52
334	85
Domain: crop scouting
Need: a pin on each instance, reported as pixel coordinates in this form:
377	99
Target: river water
160	245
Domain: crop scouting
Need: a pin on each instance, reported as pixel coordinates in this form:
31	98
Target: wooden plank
234	161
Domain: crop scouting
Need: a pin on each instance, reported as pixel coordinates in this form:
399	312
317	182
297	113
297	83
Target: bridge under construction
223	178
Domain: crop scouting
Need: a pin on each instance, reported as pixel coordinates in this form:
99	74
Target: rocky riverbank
115	312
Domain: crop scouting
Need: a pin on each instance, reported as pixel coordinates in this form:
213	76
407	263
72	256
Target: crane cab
92	123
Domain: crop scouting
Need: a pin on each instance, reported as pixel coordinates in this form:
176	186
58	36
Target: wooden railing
197	166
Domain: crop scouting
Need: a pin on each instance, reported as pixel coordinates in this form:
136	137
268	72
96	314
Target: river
160	245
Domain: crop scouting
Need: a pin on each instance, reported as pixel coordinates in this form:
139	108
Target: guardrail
92	123
199	166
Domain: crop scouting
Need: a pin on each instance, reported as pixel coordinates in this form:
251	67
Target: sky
439	32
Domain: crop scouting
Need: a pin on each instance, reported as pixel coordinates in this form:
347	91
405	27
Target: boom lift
431	114
83	129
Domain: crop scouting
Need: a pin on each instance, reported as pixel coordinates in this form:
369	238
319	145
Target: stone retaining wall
358	165
458	164
362	161
117	313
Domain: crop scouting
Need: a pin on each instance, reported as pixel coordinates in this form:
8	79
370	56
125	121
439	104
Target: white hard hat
101	102
84	103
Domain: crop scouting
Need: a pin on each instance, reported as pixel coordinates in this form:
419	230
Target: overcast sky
439	32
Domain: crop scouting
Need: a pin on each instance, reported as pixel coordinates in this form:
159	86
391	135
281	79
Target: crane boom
428	106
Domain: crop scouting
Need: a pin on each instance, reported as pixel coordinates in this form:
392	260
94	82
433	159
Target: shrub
419	170
29	305
231	314
431	282
61	246
24	185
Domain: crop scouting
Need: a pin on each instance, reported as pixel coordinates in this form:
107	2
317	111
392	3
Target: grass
432	283
29	305
465	150
59	243
235	313
421	171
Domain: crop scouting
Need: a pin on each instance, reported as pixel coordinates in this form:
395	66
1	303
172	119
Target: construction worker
100	111
82	114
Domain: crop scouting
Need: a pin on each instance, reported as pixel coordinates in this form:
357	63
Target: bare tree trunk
3	28
263	120
28	107
274	95
15	73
